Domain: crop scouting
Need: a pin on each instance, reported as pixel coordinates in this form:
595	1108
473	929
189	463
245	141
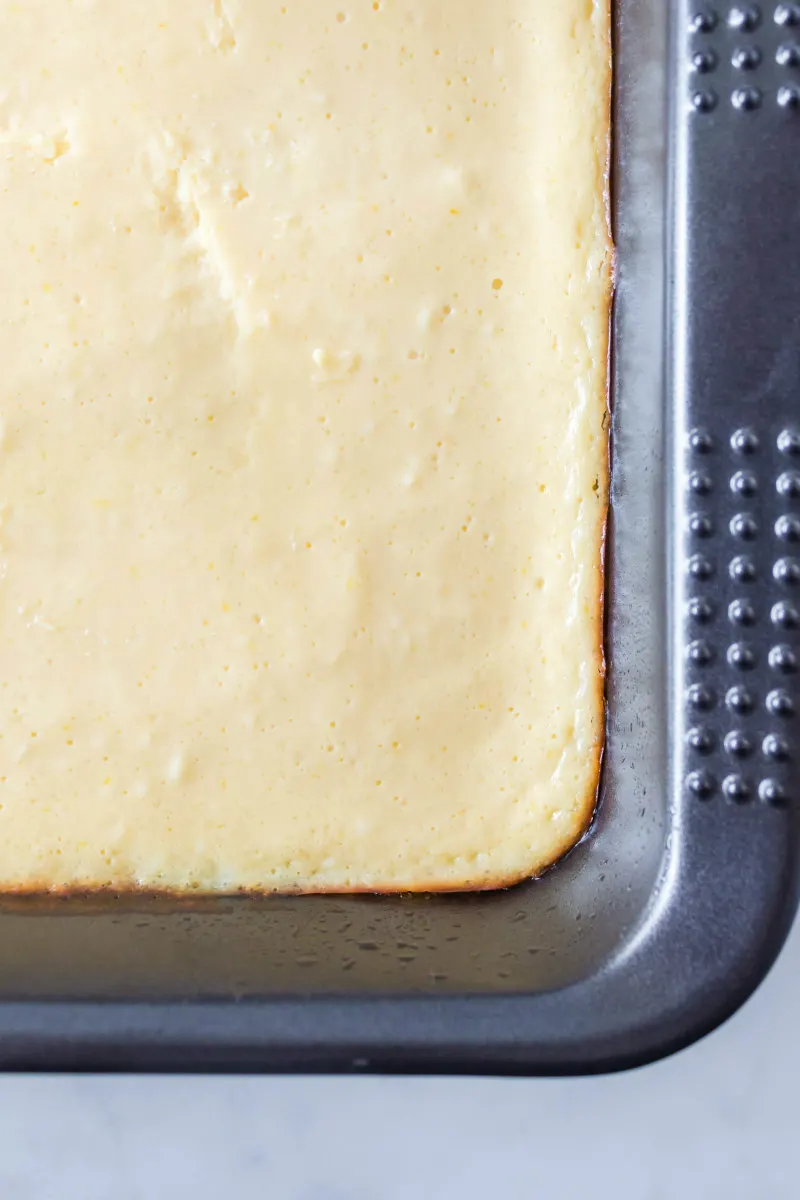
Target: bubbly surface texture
303	455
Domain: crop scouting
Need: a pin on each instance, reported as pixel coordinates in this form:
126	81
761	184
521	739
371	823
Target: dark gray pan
668	915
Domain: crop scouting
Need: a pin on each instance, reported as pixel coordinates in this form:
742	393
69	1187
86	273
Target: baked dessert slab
304	462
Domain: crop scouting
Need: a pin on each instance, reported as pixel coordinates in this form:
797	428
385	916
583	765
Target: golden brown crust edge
588	807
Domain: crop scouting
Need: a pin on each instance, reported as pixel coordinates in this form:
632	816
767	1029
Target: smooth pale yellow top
303	331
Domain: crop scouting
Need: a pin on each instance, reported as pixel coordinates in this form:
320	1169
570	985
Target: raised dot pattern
742	580
755	46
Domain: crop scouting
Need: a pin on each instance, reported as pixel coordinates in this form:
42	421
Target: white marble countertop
716	1122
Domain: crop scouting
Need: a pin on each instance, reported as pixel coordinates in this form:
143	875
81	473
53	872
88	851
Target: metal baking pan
671	911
